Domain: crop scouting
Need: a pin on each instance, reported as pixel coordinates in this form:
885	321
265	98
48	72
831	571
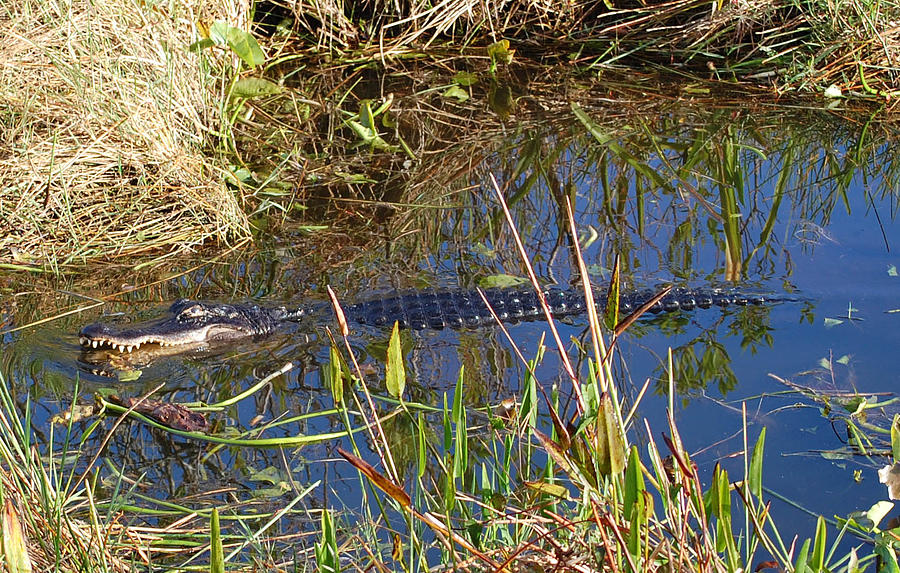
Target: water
806	205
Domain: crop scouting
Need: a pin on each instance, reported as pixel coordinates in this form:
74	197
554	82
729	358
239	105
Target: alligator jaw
189	323
162	333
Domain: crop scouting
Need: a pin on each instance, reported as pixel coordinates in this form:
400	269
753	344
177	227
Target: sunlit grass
106	122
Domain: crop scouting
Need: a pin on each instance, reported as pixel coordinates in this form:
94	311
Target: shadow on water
784	200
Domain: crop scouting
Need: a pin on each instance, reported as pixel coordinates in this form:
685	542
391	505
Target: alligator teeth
84	341
95	343
130	348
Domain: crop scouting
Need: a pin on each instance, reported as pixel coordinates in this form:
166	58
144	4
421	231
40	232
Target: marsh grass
104	129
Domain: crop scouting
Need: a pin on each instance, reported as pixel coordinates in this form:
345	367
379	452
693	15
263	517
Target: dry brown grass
104	118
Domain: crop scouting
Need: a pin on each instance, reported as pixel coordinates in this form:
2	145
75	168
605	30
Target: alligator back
434	309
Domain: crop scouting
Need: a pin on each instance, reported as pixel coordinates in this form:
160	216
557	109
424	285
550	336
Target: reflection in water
698	196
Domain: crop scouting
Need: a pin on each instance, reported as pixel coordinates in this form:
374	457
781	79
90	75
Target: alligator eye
193	311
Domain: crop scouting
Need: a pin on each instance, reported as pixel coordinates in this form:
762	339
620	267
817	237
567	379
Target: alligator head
189	322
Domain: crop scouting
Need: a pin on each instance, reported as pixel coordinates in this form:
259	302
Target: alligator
192	323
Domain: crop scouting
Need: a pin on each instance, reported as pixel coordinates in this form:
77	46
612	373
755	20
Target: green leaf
888	555
455	92
245	46
394	371
551	489
634	483
465	79
801	565
611	312
422	443
128	375
369	136
817	560
501	281
892	271
756	461
335	375
201	45
218	32
327	557
610	441
250	88
879	511
216	553
831	322
461	450
500	52
15	545
365	115
895	439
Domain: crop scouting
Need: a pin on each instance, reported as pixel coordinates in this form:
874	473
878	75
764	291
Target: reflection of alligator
192	322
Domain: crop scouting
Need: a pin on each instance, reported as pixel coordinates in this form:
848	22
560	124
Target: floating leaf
269	474
892	271
831	322
128	375
465	79
75	414
456	92
501	281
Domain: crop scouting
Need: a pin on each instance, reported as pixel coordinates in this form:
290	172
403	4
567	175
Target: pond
800	202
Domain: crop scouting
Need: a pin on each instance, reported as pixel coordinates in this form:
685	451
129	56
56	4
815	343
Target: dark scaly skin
192	323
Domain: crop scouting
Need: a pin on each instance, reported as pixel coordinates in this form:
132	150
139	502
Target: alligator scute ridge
193	322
